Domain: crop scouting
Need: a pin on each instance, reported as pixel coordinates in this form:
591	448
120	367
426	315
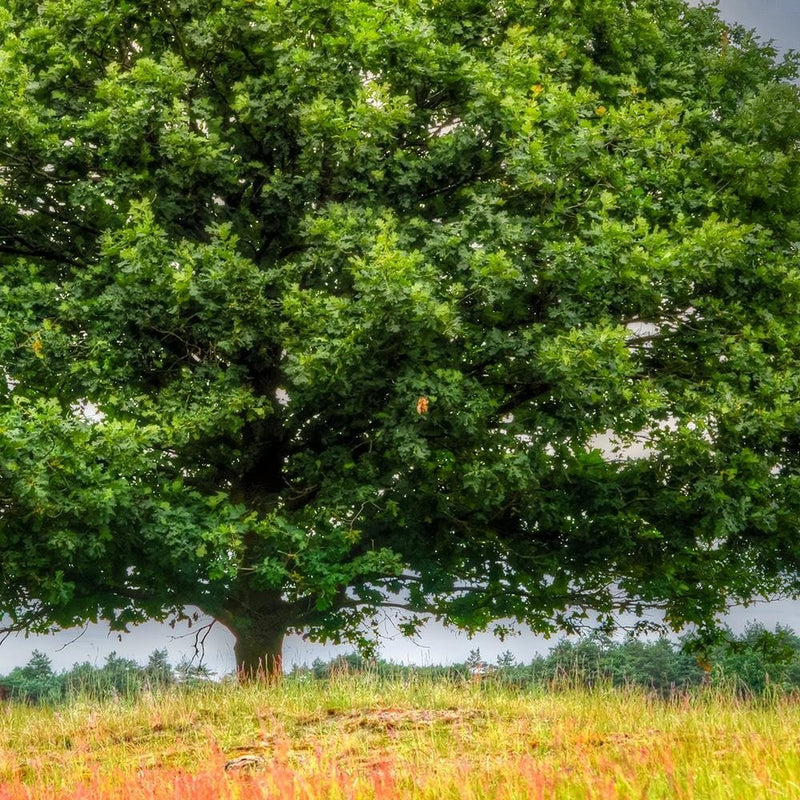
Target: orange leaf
37	346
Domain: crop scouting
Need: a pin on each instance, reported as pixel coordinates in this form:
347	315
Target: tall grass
365	737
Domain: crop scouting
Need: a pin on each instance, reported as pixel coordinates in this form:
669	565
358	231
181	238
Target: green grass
358	737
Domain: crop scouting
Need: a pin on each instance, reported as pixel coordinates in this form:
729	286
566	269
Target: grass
358	737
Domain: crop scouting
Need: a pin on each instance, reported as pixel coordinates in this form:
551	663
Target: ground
356	737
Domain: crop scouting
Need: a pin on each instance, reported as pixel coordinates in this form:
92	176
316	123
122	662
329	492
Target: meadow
361	737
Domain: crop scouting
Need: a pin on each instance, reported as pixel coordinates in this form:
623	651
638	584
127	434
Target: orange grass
365	740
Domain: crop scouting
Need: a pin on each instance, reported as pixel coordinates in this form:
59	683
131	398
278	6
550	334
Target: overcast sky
778	20
772	19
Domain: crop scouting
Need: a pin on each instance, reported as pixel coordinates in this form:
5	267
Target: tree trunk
258	622
259	652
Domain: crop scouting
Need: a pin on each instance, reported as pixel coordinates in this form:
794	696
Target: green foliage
659	665
506	660
753	663
159	671
310	307
760	660
36	682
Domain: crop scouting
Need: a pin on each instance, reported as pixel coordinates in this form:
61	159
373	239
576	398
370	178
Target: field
359	737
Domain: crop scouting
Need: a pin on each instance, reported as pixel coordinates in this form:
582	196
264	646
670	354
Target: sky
778	20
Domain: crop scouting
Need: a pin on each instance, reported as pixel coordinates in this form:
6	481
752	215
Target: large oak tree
314	307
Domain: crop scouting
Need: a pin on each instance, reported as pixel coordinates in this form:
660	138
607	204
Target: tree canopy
311	308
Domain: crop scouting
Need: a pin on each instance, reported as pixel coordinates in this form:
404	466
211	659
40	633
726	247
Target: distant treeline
752	663
37	682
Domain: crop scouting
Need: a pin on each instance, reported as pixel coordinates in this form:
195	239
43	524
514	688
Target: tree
315	308
506	660
158	671
35	682
475	664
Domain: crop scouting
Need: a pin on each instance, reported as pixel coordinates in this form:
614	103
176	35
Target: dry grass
359	738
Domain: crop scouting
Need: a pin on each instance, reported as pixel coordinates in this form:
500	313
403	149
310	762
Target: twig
72	641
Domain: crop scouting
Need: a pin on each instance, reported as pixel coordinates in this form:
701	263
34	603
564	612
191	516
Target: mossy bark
259	652
259	623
